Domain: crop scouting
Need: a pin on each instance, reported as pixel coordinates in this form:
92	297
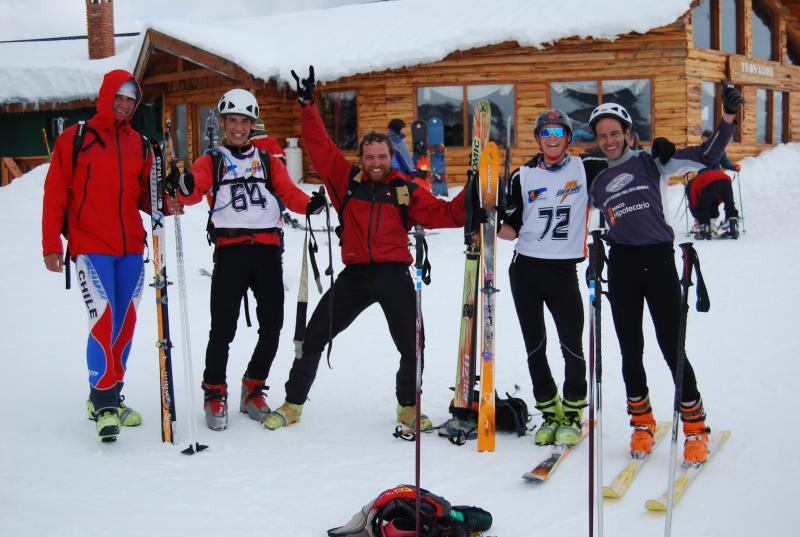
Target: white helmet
238	101
617	111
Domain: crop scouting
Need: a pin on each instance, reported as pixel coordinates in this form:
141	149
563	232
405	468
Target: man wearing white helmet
642	261
245	227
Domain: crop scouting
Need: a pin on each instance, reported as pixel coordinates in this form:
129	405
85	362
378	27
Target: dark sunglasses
558	132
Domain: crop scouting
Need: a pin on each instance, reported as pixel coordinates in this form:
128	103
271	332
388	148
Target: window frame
716	28
600	81
465	104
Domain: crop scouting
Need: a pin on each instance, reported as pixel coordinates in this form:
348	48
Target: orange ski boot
695	447
644	427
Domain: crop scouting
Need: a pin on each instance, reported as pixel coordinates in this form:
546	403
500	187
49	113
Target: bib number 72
557	219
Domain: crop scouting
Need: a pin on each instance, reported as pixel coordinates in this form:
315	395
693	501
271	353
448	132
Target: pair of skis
479	265
160	283
624	479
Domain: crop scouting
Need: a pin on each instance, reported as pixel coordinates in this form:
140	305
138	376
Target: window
579	98
778	117
701	24
501	96
763	30
446	103
761	115
209	132
729	16
338	110
708	107
454	105
634	95
179	131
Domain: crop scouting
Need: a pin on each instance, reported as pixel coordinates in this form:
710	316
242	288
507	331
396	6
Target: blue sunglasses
558	132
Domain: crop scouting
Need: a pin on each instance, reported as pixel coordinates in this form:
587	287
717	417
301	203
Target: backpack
393	513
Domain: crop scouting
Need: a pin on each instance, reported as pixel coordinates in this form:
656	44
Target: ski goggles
558	132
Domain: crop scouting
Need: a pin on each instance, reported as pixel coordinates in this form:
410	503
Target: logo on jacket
570	187
619	182
537	194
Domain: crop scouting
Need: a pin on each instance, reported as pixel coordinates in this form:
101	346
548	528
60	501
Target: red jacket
110	184
702	180
374	231
283	186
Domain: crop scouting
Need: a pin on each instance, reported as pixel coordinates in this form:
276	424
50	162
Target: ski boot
730	229
695	447
552	414
286	414
253	401
128	417
644	427
569	430
108	424
215	405
407	416
703	232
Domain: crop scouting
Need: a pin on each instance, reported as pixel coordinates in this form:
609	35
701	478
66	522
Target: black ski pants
646	273
239	267
708	203
536	283
356	288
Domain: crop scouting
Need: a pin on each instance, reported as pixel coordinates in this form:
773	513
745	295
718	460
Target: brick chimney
100	28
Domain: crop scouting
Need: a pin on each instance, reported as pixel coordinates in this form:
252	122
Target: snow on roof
353	39
58	71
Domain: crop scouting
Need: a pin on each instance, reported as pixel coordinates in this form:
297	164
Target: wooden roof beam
157	41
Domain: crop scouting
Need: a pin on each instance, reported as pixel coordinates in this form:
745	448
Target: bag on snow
393	514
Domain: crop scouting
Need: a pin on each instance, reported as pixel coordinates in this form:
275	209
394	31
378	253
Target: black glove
305	86
316	203
662	149
479	216
177	182
731	98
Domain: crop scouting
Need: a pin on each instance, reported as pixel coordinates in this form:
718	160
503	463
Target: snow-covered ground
56	478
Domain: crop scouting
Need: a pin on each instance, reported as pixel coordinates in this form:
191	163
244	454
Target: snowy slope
56	479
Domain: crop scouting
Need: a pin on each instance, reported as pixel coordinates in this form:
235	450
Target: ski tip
655	505
532	478
608	492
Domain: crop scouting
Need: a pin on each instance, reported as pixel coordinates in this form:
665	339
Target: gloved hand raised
731	98
316	203
662	149
305	86
177	182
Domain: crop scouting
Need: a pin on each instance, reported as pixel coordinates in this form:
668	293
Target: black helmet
554	116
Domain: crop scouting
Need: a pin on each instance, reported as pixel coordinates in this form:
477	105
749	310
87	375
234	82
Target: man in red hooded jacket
376	206
99	197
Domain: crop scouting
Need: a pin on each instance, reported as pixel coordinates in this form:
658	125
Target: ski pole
46	143
686	281
595	281
419	240
186	349
741	203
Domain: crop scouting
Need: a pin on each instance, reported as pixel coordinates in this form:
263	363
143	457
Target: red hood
108	90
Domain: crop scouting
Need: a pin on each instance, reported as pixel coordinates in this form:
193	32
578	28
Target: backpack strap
218	171
77	144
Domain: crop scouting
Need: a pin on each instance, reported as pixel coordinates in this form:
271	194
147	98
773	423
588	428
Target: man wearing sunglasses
547	214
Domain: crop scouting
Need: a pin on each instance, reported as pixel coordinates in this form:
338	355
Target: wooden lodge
668	78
